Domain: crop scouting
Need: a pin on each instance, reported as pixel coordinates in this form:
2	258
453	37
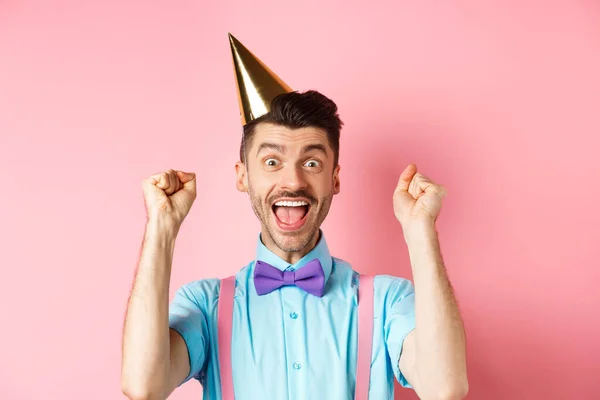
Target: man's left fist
417	198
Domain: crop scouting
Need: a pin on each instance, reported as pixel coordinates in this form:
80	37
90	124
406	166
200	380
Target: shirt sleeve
399	321
187	316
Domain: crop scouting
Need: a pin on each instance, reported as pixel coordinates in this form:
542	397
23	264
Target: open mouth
291	215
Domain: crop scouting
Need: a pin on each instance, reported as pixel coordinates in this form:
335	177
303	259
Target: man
292	339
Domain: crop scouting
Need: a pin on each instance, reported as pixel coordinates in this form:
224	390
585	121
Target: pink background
499	102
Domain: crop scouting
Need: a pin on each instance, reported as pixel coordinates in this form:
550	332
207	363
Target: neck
290	257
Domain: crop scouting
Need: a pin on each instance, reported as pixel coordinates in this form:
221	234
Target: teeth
291	203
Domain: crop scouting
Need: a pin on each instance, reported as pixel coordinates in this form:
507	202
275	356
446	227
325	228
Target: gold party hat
257	85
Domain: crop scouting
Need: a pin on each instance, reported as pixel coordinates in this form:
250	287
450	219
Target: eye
312	164
271	162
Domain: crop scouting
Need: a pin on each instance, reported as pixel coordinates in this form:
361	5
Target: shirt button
297	365
293	315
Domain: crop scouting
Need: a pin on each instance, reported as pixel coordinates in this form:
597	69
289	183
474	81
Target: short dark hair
299	110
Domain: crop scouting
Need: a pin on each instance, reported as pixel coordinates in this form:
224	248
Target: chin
293	234
293	241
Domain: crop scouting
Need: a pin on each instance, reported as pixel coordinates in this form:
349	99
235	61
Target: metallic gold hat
257	85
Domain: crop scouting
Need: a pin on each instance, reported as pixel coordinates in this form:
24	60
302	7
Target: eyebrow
316	146
282	149
266	145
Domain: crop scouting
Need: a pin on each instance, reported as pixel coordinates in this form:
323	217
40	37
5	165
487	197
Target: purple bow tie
309	278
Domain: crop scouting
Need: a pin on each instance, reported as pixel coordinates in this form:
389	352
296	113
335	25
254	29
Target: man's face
290	178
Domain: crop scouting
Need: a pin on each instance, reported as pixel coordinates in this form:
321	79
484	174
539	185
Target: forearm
146	347
440	337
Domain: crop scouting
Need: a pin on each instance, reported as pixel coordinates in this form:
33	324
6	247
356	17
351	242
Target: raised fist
169	196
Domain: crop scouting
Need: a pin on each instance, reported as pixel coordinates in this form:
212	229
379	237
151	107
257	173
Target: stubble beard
293	241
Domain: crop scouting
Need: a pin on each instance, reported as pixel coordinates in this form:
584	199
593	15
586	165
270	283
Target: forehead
267	132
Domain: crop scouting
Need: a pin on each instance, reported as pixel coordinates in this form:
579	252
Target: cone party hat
257	85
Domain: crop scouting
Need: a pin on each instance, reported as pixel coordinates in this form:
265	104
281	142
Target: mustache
291	195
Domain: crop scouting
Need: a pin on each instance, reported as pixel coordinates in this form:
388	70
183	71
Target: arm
155	358
433	358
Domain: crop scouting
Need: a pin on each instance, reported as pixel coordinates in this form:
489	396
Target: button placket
291	298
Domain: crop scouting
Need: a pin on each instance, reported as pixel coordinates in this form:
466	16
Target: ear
242	177
336	180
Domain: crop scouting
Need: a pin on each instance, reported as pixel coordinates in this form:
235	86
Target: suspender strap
225	324
365	337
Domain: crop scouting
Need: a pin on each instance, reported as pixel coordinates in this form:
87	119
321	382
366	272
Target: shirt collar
320	251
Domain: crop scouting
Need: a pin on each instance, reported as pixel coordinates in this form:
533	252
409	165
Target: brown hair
299	110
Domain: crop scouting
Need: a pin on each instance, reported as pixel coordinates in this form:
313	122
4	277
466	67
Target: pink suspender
365	336
224	336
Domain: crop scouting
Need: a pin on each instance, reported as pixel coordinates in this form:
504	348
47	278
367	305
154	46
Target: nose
292	178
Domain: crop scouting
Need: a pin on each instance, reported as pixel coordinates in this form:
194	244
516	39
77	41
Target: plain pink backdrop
498	101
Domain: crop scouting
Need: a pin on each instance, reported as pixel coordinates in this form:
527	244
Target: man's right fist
169	195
